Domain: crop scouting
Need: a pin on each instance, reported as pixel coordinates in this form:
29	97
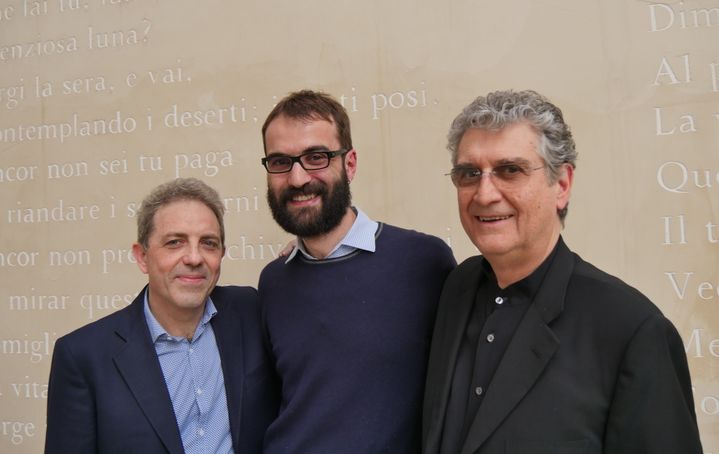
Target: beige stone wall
101	100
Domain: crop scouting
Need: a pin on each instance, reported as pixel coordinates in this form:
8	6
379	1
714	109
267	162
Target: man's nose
192	256
486	191
298	176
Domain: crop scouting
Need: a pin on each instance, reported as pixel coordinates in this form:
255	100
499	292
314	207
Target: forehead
294	135
185	217
518	140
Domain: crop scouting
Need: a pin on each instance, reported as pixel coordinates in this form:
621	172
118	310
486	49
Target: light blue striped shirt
360	236
193	374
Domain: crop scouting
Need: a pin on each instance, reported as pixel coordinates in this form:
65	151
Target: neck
178	323
320	246
515	267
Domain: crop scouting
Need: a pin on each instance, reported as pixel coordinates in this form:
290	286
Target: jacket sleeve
71	425
652	409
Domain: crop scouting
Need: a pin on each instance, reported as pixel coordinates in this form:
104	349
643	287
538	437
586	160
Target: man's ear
564	185
140	256
350	163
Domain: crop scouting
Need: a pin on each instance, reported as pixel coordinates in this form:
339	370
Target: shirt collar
529	286
360	236
156	329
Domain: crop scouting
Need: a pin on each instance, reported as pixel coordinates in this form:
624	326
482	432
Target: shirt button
201	432
478	390
490	337
199	391
192	350
499	300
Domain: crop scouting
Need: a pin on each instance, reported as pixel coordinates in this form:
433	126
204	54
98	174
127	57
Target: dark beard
308	222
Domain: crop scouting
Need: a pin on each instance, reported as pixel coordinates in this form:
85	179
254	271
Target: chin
492	247
191	301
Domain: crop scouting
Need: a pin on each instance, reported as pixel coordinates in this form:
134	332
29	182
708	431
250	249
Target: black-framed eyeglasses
311	160
503	175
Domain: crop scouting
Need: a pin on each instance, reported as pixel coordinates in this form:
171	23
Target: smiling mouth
303	197
493	218
191	278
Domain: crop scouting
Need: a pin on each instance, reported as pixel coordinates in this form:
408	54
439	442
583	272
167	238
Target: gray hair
500	109
172	191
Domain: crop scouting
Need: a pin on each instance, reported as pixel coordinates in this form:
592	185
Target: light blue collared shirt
360	236
193	375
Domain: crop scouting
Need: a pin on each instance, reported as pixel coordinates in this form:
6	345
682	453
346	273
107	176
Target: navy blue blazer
107	393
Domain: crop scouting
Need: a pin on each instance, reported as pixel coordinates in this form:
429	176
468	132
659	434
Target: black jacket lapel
527	355
445	347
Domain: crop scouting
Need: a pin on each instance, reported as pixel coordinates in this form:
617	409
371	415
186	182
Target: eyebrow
499	162
516	161
181	235
310	149
173	234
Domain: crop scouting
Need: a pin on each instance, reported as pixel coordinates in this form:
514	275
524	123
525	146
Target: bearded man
349	313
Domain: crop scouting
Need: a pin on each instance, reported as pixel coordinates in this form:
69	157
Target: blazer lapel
526	357
445	347
527	354
138	364
228	336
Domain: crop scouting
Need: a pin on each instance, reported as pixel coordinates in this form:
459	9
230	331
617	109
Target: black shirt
493	319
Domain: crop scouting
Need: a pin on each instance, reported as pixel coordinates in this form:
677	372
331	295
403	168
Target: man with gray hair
535	350
183	369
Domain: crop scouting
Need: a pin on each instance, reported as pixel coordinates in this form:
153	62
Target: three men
183	368
534	349
349	314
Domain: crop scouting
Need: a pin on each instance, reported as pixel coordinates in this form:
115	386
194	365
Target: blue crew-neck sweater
350	339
